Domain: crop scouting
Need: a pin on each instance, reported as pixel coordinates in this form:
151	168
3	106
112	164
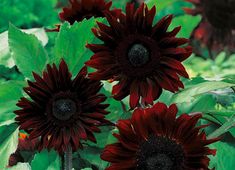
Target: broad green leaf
46	161
225	112
224	128
92	154
220	58
11	90
219	120
225	156
70	44
10	93
8	143
104	138
187	23
27	51
188	94
20	166
200	104
5	57
169	7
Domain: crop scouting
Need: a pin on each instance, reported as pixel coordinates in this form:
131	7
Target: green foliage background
26	47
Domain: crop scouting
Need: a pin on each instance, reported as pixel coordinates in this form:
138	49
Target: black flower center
159	161
220	13
160	153
138	55
63	109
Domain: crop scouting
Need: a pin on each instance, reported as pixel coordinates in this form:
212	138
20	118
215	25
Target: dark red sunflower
62	111
154	139
143	57
216	31
25	150
80	9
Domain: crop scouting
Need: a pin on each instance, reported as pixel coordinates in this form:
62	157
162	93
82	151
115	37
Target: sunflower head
61	111
80	9
143	57
154	139
216	29
220	14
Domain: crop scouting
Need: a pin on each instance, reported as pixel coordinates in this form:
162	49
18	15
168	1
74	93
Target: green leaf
230	79
175	7
92	154
10	73
28	52
119	4
225	156
28	13
46	161
8	143
187	23
166	7
20	166
104	138
161	4
200	104
70	44
5	57
10	92
188	94
224	128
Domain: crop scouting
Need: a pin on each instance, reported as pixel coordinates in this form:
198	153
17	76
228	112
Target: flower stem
68	159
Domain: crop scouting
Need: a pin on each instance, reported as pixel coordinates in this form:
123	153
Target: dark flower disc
216	30
80	9
143	58
154	139
62	111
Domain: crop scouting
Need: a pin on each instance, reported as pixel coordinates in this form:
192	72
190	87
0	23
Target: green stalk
68	156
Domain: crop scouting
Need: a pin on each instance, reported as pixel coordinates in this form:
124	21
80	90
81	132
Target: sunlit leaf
8	143
190	93
28	52
20	166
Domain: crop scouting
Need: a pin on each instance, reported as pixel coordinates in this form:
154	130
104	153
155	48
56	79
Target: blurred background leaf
27	13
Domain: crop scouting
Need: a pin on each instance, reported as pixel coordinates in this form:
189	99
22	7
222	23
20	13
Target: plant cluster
113	86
